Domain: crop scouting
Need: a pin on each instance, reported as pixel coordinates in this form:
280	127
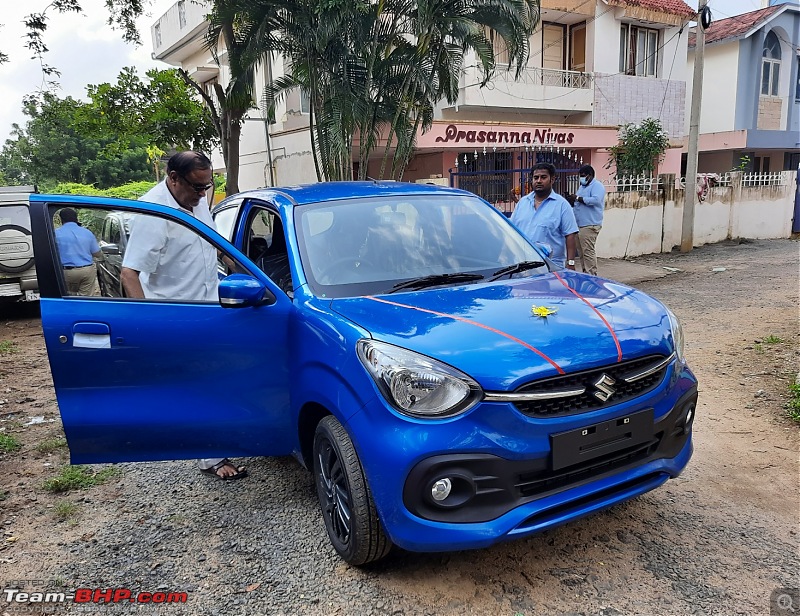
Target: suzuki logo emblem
604	388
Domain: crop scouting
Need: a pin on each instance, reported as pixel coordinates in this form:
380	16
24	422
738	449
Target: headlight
677	334
417	385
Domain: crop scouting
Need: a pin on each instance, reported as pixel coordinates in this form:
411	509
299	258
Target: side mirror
241	290
109	249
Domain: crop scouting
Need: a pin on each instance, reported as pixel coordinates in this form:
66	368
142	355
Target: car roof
304	194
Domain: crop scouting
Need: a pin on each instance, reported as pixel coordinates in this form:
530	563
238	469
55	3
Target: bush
641	148
131	190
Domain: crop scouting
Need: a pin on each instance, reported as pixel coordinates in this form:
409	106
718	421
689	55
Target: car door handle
91	336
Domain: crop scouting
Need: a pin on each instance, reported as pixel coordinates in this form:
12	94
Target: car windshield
373	245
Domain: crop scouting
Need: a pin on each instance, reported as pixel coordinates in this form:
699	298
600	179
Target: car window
174	262
114	233
225	218
267	247
363	246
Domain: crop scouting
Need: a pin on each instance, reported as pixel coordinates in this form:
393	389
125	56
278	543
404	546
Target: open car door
164	379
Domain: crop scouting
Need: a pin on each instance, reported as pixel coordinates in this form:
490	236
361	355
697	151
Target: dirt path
717	540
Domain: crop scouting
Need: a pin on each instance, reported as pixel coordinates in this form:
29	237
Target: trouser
206	463
82	280
587	237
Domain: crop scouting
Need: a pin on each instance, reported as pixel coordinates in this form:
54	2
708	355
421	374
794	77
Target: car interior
267	248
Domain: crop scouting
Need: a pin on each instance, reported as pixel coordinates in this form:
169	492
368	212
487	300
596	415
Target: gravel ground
717	540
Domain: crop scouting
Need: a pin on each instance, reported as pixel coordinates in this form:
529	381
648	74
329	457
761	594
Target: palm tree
230	104
375	66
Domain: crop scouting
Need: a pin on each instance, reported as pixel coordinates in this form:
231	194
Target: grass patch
7	347
758	348
3	495
8	443
793	406
64	510
79	478
772	339
49	445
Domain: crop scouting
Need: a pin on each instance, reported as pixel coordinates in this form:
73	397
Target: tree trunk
232	157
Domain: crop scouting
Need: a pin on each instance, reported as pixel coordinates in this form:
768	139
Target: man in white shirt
167	261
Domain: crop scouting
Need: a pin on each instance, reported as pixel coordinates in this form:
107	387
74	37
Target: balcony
180	32
537	89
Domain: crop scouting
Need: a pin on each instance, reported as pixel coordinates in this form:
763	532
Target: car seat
274	260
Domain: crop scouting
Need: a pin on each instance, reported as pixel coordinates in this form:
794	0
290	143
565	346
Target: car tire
344	496
16	269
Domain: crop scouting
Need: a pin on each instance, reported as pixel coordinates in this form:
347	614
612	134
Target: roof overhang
635	11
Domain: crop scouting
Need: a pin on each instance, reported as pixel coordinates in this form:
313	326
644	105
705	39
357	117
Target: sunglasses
201	188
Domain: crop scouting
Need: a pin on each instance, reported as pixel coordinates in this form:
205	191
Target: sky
88	51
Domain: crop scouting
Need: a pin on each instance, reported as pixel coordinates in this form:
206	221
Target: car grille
623	380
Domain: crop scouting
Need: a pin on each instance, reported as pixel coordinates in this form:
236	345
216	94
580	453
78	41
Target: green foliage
64	510
7	347
93	219
114	139
8	443
78	478
641	148
51	444
219	182
744	163
159	113
131	190
793	406
771	339
370	68
55	146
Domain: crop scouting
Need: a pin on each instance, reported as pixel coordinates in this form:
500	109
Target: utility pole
690	192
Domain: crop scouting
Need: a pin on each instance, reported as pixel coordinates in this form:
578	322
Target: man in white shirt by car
167	261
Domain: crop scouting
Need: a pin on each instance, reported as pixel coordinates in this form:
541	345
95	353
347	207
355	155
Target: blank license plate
590	442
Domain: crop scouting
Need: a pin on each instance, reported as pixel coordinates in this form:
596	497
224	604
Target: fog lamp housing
449	491
441	489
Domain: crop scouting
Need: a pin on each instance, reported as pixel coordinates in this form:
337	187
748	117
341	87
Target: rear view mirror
241	290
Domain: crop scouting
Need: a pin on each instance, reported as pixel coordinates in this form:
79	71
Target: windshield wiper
435	279
517	267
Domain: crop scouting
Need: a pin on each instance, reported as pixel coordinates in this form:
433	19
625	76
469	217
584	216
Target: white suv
17	270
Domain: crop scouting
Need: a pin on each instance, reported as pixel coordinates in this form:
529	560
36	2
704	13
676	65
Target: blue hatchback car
448	386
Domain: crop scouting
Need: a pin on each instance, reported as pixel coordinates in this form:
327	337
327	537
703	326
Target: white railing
776	178
628	183
764	179
551	77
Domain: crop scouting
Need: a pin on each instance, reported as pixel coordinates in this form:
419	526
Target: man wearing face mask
589	203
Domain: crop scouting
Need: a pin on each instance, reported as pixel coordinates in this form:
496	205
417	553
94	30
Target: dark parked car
17	269
447	385
114	232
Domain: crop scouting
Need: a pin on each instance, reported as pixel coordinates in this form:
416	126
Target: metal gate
494	175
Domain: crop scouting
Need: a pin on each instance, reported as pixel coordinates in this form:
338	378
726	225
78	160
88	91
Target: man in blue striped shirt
545	217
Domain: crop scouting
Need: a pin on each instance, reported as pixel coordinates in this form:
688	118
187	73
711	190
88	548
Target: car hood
490	331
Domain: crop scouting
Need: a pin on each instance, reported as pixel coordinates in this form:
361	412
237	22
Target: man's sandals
240	473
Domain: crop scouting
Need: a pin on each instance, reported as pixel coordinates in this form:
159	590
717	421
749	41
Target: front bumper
505	484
